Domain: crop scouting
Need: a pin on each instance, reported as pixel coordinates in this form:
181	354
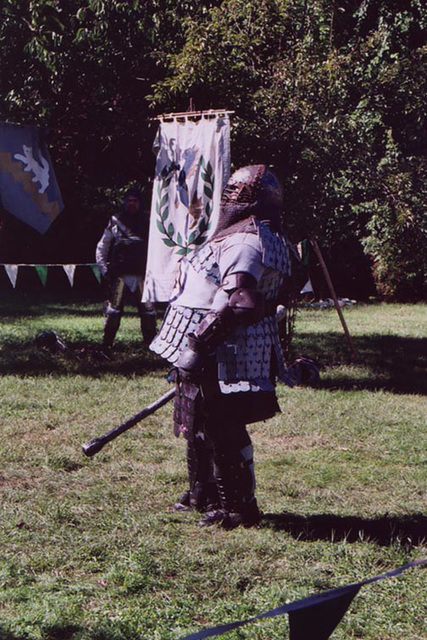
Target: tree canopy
330	93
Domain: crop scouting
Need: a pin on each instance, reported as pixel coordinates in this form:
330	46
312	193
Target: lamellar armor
225	300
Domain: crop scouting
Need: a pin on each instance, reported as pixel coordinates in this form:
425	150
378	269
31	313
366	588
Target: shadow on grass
54	310
69	632
386	530
5	635
56	633
390	363
397	364
127	359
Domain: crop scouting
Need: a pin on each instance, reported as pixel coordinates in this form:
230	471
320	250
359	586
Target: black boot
247	516
183	503
203	498
235	480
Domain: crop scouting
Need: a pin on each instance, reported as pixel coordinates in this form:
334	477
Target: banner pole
333	294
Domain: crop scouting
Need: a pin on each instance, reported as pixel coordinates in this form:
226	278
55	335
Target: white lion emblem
40	171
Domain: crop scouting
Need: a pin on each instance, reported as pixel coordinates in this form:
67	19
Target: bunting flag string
314	617
42	270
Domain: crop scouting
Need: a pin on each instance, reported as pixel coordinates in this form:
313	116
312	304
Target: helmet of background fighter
132	200
252	191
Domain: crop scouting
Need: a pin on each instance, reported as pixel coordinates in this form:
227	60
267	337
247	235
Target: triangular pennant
308	287
324	611
70	270
318	621
96	272
12	272
42	273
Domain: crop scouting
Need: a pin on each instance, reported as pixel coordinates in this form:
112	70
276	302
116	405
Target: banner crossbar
192	115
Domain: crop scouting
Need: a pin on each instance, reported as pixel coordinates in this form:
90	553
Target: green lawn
90	548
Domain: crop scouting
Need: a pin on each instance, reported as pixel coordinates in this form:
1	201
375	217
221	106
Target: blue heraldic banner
28	186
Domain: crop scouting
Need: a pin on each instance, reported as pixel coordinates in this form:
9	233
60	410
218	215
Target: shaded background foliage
330	93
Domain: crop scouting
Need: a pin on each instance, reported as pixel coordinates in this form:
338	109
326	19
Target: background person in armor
220	333
121	256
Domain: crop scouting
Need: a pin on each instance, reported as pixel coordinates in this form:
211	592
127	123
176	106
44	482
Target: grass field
90	548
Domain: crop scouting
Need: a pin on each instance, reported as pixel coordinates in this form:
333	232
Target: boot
247	516
183	503
203	498
235	480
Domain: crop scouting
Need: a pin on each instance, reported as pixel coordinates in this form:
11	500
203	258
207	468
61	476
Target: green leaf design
168	242
164	200
198	236
208	192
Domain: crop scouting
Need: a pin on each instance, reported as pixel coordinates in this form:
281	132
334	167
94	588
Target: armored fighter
121	255
220	334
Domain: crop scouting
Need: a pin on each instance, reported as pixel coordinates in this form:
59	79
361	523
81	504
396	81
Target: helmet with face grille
252	184
251	192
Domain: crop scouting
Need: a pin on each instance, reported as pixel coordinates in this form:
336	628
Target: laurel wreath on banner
170	237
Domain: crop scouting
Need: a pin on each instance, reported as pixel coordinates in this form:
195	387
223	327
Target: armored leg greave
111	325
113	311
235	481
233	459
188	420
110	331
235	478
148	325
147	315
203	488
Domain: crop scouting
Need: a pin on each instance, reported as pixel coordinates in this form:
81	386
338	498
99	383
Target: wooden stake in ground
333	294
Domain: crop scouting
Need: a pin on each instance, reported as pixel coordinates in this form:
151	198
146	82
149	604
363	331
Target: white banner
192	168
